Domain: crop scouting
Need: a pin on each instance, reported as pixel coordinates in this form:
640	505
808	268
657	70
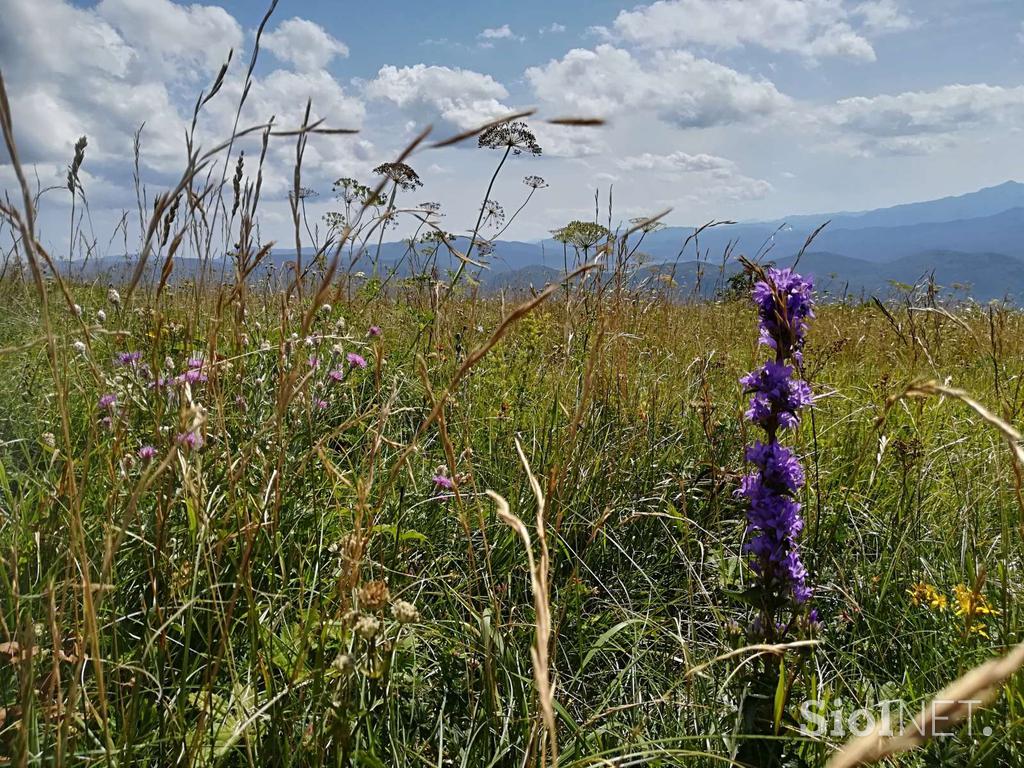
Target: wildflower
322	404
314	362
925	594
191	439
973	607
374	330
374	595
337	374
128	358
49	440
343	663
774	523
355	361
443	481
147	453
108	401
326	309
405	612
367	627
79	347
76	310
114	297
101	316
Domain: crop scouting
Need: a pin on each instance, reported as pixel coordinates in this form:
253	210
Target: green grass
192	610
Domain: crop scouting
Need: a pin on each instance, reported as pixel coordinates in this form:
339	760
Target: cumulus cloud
715	175
814	28
684	90
103	71
678	161
920	122
303	44
164	34
883	16
460	97
504	32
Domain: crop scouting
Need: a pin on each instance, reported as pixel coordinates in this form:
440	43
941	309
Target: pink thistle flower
374	330
314	362
147	453
337	374
322	404
108	401
190	439
443	481
356	361
128	358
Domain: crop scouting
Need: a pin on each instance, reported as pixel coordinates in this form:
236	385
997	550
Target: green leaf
780	695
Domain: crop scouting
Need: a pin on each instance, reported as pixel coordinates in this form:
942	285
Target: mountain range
971	244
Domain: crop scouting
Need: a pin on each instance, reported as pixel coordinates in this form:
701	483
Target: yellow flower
971	604
925	594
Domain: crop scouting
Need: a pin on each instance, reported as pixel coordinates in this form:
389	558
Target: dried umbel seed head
515	135
374	595
367	627
405	612
404	177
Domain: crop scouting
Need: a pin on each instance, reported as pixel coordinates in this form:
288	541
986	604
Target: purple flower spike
784	306
356	361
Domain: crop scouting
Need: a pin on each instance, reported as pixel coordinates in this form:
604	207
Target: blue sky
735	109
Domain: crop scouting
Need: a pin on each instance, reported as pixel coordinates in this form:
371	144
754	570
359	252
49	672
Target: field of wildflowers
374	520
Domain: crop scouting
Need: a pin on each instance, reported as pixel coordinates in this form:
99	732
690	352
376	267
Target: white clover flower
325	308
343	663
76	310
367	627
79	347
404	612
114	297
101	316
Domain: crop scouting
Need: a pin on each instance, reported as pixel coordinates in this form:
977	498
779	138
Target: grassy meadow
383	520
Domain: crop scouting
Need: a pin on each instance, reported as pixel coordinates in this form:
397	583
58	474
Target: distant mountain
984	202
974	240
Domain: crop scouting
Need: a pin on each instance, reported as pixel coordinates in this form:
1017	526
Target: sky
717	109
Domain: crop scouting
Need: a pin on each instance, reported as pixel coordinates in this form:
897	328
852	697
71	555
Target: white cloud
920	122
553	28
684	90
165	34
103	71
883	16
678	161
305	45
814	28
460	97
504	32
716	175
